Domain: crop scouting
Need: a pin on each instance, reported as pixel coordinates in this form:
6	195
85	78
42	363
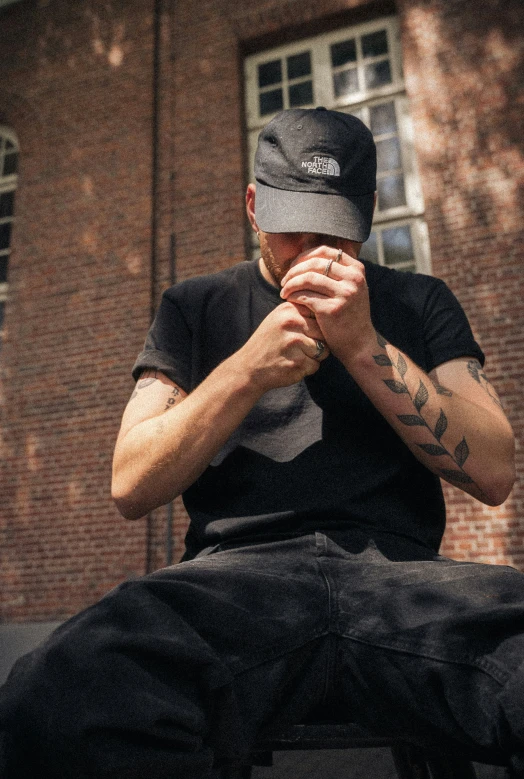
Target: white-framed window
357	70
8	181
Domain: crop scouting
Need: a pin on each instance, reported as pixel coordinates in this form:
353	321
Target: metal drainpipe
170	543
154	214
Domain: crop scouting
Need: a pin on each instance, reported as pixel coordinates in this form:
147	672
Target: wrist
360	355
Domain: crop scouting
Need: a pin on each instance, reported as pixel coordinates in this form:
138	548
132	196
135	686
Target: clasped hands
330	286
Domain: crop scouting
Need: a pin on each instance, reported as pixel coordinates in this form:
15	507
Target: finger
316	349
309	282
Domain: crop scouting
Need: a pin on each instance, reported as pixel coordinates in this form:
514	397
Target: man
305	405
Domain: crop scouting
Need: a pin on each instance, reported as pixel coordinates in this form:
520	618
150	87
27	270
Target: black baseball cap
315	172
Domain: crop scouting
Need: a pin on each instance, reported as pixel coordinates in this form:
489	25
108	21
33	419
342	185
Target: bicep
467	378
154	394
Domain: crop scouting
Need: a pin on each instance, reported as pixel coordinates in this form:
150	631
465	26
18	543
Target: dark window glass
9	144
345	51
345	82
388	154
391	192
301	94
10	164
271	102
7	200
375	44
5	235
370	248
398	246
382	119
378	74
3	269
299	65
269	73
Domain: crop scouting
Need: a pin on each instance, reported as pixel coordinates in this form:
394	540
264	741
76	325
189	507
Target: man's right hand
168	438
283	349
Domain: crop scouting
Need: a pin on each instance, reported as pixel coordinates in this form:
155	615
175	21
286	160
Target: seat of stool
411	761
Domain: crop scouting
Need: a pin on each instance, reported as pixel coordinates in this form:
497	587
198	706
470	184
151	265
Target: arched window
8	180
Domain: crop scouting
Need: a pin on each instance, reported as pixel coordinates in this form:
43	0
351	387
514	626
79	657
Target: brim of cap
285	211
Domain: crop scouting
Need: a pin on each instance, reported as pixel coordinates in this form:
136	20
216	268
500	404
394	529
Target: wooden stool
411	762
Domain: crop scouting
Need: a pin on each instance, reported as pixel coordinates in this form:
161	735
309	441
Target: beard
277	270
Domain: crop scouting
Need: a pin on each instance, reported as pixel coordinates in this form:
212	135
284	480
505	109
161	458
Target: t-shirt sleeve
168	345
447	332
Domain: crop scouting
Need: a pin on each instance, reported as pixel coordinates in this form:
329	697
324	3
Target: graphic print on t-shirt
284	423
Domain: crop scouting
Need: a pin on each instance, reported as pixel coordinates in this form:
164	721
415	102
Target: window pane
382	118
3	269
301	94
299	65
398	246
7	200
343	52
10	164
391	192
378	74
388	154
5	235
375	44
271	102
345	82
270	73
370	248
9	144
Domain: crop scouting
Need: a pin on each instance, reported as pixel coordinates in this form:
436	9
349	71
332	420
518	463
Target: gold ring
328	267
339	255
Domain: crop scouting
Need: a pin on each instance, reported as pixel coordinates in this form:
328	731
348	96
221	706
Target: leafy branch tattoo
399	386
476	372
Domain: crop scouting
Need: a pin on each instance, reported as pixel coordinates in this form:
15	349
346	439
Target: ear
250	206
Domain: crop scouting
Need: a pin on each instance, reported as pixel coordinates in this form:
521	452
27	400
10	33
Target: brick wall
76	88
89	261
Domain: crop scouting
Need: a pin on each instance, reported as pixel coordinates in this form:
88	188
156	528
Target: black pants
171	672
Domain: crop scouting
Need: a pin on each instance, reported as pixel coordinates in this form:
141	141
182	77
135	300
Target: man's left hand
336	294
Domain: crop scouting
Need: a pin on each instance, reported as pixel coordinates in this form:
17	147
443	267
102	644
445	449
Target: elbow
126	501
497	493
500	485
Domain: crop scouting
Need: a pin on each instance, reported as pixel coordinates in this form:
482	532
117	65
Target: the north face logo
322	166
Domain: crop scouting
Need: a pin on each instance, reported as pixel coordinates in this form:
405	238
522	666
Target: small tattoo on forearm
172	400
442	390
145	382
476	372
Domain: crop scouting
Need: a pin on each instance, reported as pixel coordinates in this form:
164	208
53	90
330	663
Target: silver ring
339	255
320	349
328	267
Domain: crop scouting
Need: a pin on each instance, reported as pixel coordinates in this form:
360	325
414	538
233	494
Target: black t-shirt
316	455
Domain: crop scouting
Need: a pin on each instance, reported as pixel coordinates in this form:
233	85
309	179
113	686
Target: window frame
358	103
8	183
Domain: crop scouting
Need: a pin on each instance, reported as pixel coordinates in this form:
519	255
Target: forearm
160	453
465	443
163	455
